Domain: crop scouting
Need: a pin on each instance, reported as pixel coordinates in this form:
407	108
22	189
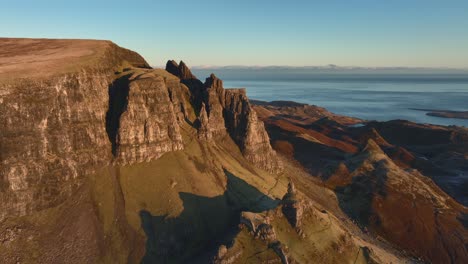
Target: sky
370	33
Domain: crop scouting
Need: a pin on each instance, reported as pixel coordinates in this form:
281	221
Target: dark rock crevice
118	101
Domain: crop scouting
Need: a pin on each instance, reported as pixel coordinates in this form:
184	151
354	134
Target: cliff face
148	126
248	131
52	133
54	125
214	98
105	106
228	111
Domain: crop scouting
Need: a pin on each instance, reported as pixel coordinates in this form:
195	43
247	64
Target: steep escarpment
148	127
71	137
53	125
228	111
98	109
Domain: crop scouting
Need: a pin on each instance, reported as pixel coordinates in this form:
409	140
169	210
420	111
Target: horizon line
323	67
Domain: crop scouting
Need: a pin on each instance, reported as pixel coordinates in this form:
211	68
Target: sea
382	95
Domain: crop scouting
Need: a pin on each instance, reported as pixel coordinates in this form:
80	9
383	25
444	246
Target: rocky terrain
391	178
106	160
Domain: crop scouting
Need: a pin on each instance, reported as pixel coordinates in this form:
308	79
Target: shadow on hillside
312	155
355	199
205	223
118	101
196	92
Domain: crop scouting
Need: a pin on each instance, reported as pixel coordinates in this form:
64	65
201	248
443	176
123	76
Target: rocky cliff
148	126
105	160
228	111
105	107
54	124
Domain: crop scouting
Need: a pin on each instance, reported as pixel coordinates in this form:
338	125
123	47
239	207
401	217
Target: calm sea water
371	96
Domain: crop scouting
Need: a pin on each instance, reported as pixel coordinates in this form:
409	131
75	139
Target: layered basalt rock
45	149
54	125
179	95
228	111
204	132
106	106
248	131
187	78
213	97
148	127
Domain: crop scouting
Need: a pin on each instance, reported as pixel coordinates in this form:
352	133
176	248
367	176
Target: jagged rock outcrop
179	95
204	132
229	110
248	131
279	250
213	97
265	232
292	207
187	78
259	226
180	70
173	68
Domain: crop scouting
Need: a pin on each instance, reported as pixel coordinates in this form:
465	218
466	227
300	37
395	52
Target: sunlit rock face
54	125
148	127
62	125
52	133
228	111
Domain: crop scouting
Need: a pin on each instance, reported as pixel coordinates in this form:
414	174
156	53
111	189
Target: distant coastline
342	69
444	113
378	95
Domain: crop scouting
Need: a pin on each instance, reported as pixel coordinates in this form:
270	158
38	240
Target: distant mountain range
320	67
332	68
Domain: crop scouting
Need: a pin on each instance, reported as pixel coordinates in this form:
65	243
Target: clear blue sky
430	33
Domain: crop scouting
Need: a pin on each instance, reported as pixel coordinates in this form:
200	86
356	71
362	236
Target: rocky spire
213	82
204	132
292	207
228	110
180	70
291	193
172	67
185	73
